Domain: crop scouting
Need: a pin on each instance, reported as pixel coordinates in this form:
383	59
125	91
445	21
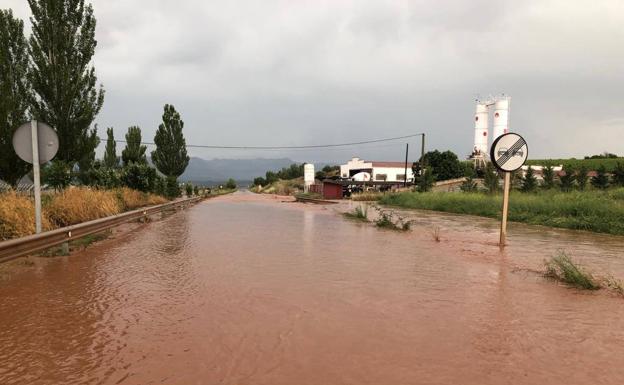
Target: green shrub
359	213
140	177
172	189
57	174
189	189
230	184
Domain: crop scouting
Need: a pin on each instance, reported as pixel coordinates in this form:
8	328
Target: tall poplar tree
170	156
110	154
14	94
134	151
62	45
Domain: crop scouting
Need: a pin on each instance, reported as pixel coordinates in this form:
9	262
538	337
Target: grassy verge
598	211
359	214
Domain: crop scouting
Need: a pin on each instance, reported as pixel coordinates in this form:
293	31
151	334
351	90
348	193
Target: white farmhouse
379	171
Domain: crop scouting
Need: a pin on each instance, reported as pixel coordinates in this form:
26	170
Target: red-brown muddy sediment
249	289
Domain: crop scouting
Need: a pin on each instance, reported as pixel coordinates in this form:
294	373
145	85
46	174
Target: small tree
469	185
189	189
444	165
260	181
566	180
548	175
424	182
57	174
134	151
271	177
601	180
170	156
110	154
140	177
62	45
491	178
230	184
196	190
529	181
581	177
618	174
160	186
172	189
15	93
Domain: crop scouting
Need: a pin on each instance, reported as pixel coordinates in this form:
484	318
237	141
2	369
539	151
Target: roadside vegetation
574	198
367	196
562	268
593	162
360	213
69	207
391	221
78	187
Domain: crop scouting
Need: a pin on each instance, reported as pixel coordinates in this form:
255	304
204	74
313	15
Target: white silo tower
481	130
501	117
308	176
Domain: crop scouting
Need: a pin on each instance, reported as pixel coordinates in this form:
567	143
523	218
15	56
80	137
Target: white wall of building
393	174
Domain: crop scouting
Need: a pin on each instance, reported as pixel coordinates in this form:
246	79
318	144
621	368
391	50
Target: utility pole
405	174
422	149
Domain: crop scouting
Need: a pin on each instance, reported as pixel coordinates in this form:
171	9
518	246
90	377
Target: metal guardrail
19	247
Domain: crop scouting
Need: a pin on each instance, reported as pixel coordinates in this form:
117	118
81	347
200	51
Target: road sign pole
503	230
36	175
405	175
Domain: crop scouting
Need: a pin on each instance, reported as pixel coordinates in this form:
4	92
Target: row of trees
293	171
573	179
49	77
132	168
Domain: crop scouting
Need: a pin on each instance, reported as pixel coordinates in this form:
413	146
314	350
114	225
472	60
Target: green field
575	164
597	211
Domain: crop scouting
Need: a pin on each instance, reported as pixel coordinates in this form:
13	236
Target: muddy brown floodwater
247	289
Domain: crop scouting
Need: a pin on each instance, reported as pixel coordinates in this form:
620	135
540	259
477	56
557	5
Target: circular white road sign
47	138
509	152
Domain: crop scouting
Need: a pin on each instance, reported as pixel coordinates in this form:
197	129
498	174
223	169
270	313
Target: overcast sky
309	72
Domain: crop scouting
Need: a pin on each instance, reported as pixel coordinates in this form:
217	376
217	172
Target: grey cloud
283	72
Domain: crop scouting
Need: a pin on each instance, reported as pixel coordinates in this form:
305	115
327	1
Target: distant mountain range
219	170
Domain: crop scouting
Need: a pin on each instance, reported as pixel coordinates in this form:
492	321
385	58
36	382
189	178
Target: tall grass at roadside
17	216
596	211
564	269
71	206
386	220
77	205
368	196
359	213
132	199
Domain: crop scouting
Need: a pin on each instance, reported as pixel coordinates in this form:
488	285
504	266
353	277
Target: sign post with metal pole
36	174
509	152
36	143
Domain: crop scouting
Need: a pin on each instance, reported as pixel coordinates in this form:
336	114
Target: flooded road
246	289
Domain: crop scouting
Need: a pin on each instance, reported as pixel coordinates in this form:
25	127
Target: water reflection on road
246	289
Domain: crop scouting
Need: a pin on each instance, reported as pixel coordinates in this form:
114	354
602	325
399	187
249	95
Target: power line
285	147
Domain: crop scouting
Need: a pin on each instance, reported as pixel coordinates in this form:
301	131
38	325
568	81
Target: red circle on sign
496	115
476	118
484	133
